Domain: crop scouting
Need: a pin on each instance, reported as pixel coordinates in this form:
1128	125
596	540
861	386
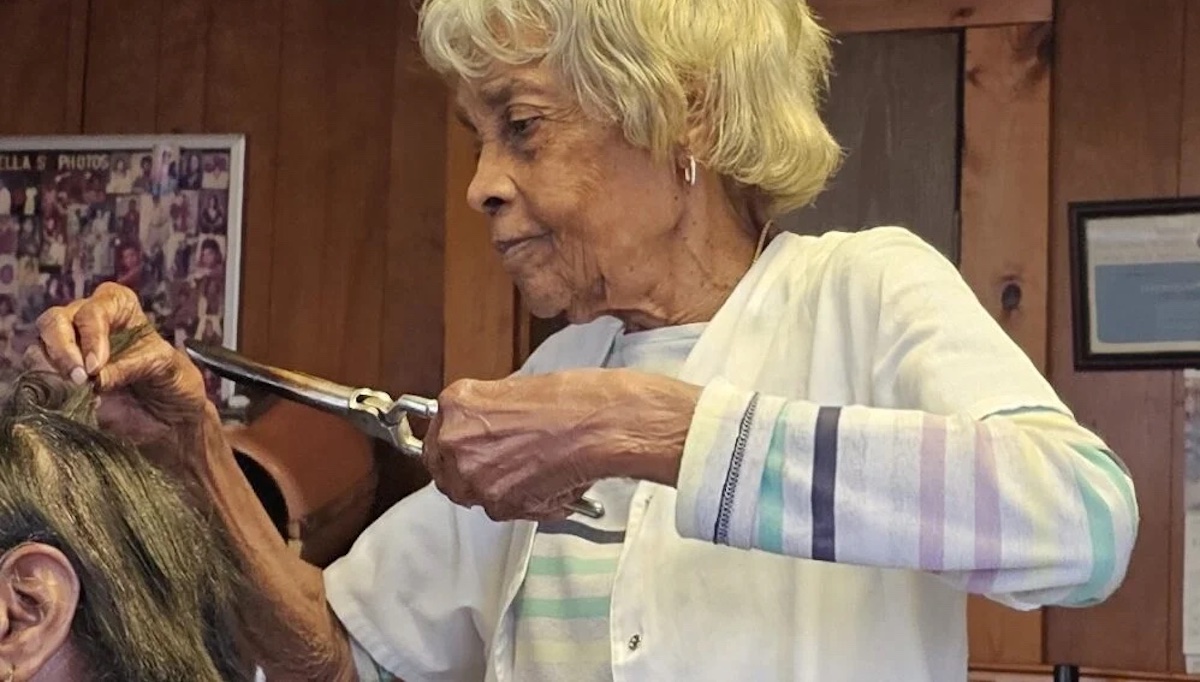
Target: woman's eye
522	126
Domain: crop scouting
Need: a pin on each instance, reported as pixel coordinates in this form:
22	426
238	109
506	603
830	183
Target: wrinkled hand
524	447
146	392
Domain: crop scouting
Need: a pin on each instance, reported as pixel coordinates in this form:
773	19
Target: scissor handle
415	405
426	408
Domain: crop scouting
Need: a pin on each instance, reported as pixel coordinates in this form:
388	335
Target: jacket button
634	642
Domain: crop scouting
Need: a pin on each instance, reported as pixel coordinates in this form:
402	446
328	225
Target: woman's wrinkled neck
712	248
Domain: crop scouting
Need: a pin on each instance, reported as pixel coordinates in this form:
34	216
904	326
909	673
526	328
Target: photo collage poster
156	219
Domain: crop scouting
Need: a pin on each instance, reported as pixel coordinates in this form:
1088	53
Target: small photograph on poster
143	171
8	308
9	358
128	218
216	171
155	225
164	170
8	237
60	289
160	215
53	255
20	184
213	219
208	279
191	170
184	210
29	237
121	174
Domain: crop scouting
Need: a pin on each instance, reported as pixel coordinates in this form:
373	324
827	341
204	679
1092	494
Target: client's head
107	572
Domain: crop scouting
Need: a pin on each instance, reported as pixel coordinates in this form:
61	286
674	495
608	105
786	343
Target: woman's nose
491	188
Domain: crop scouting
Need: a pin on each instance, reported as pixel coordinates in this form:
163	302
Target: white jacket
867	430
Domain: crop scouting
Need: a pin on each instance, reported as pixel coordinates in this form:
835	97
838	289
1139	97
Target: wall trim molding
863	16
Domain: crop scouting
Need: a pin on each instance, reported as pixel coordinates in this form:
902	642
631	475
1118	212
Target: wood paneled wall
345	191
1125	126
894	108
362	262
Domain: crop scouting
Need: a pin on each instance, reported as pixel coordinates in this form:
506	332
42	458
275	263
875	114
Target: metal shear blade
373	412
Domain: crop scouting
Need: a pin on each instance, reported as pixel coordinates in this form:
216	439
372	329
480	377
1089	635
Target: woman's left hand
525	447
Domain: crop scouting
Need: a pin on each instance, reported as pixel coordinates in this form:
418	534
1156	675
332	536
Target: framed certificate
160	214
1135	271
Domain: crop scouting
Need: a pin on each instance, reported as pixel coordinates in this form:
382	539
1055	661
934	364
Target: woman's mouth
508	247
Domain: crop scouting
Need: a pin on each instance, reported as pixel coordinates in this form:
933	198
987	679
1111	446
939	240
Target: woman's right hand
147	391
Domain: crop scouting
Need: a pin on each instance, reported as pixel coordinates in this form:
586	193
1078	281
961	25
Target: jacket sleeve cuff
722	464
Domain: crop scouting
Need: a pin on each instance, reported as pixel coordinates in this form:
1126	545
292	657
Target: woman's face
131	258
581	218
210	257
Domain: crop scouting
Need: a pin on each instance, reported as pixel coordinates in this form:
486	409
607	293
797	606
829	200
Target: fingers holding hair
56	330
111	309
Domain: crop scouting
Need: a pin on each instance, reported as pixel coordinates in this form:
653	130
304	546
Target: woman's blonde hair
736	82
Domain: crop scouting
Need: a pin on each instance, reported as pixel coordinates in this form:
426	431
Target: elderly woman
107	570
840	406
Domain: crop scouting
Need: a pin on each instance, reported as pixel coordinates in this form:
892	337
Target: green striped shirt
562	611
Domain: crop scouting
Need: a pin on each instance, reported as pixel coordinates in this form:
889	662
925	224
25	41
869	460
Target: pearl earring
689	173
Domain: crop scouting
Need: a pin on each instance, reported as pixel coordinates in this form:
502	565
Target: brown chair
320	479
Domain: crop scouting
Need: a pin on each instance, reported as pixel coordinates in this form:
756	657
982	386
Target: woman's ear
39	591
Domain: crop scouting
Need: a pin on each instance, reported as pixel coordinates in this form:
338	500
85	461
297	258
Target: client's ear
39	592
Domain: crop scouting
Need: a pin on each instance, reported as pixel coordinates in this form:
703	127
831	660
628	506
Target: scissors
372	411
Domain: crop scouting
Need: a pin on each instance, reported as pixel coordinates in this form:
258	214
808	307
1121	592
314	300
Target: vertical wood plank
858	16
122	66
1005	205
1116	135
301	191
893	105
242	96
1189	185
480	304
77	38
362	43
1189	167
34	61
182	60
413	331
1006	177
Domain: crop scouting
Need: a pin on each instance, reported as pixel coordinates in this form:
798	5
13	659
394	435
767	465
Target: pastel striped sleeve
1026	507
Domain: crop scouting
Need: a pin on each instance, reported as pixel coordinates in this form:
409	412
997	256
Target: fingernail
91	363
78	375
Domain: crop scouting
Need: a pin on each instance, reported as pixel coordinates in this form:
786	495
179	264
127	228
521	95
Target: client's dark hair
161	588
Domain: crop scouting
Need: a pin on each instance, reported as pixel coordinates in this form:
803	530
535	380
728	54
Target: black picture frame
1082	216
